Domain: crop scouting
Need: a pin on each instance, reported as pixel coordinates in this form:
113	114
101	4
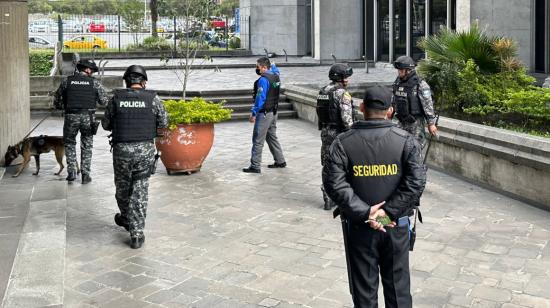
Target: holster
154	164
94	124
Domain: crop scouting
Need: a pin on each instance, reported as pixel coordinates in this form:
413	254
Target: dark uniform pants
132	162
373	253
327	137
73	124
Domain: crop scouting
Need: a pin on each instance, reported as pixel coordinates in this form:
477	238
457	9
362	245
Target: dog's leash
36	126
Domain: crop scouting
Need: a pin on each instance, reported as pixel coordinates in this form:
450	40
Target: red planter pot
185	148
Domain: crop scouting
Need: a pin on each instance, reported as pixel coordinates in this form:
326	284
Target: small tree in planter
190	135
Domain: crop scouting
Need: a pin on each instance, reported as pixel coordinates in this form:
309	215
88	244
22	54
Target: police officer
412	100
264	116
133	116
375	171
334	112
77	96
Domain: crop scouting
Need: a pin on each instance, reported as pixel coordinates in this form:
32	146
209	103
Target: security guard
412	100
374	171
264	116
334	112
77	96
133	116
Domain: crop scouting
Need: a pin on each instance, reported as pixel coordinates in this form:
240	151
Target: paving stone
89	287
269	302
123	281
162	296
492	294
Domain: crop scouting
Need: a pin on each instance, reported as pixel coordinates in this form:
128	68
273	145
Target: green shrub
194	44
40	62
235	42
196	110
152	43
477	77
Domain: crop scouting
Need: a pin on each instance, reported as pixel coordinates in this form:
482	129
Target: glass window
438	15
384	30
418	27
399	28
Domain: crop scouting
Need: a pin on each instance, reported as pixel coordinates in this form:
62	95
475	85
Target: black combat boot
86	178
276	165
137	241
120	221
71	176
252	170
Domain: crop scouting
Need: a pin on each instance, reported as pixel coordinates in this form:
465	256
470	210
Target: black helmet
83	64
135	74
404	62
339	72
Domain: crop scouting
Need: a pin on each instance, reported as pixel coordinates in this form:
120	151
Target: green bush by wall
40	62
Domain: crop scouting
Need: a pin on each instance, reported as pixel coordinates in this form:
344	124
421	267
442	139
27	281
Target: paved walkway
243	78
212	61
213	240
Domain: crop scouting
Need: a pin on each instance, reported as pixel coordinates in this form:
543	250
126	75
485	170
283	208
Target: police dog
34	146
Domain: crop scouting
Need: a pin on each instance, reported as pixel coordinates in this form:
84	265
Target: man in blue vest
264	116
133	116
375	171
77	96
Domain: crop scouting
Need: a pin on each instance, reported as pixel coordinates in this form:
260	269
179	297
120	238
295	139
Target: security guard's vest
328	110
272	98
375	166
407	102
79	94
133	118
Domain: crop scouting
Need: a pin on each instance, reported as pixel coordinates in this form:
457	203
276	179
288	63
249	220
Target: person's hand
375	212
252	119
432	129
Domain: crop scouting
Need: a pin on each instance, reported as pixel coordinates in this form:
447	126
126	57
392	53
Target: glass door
418	27
399	28
383	43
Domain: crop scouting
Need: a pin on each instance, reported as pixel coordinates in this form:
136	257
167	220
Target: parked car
217	24
39	42
43	26
72	26
85	42
97	26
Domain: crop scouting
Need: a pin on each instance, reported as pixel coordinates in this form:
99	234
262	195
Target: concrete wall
274	25
513	163
14	74
510	18
338	29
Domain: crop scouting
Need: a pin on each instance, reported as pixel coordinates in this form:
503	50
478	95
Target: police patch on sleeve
347	96
427	93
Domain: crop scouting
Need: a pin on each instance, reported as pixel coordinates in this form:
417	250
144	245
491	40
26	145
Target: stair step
227	99
282	114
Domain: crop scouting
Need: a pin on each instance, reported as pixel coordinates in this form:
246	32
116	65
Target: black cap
83	64
377	97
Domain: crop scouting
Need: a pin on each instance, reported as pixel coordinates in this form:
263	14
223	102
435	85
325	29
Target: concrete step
247	107
282	114
41	102
229	99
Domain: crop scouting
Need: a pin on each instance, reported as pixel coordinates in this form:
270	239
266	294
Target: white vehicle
39	42
72	26
43	26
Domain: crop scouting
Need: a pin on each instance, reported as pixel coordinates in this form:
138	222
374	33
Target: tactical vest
79	94
407	102
375	166
272	98
133	118
329	112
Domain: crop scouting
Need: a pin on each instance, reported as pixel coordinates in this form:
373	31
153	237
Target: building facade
382	30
